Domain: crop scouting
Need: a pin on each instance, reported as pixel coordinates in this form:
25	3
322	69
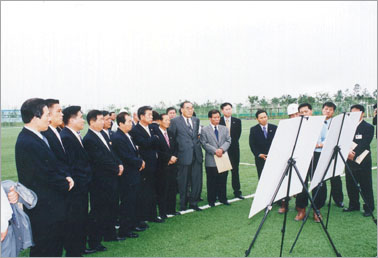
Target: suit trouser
235	159
128	218
259	166
146	196
302	198
102	217
216	185
77	216
48	239
363	176
337	189
166	190
189	174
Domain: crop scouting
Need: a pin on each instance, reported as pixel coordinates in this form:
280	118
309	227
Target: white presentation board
279	154
346	138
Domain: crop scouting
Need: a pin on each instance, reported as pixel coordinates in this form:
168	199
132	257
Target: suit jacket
165	152
147	144
104	162
365	131
236	129
211	144
257	142
188	144
128	155
78	160
38	170
58	150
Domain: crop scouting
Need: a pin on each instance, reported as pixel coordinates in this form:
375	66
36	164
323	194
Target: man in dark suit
166	169
171	112
144	137
185	129
38	170
77	200
130	179
235	128
107	125
106	168
361	167
260	139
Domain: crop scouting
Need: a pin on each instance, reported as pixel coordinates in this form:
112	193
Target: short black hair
70	112
359	107
225	104
92	115
183	103
329	104
212	112
169	109
51	102
162	115
304	105
111	112
155	115
142	110
260	111
121	117
32	108
105	113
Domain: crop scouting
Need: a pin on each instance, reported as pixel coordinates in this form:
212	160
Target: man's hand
263	156
12	195
319	145
219	153
173	160
71	183
3	235
351	155
120	170
143	165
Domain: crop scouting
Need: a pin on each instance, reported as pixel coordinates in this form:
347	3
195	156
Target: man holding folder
216	140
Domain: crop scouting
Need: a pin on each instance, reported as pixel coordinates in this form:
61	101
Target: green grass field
226	231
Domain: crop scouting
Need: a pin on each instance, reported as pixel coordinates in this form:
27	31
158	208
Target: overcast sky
95	54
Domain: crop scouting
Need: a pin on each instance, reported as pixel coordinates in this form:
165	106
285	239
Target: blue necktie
265	132
216	133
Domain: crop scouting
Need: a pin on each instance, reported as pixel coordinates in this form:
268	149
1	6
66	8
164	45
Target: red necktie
166	139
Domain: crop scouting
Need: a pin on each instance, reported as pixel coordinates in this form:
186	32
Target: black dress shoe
101	248
157	220
211	204
366	213
226	203
350	209
174	213
340	204
129	235
182	209
139	229
89	251
240	197
195	207
114	239
143	224
163	216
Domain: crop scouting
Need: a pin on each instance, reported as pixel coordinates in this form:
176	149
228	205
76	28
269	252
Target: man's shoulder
235	119
272	125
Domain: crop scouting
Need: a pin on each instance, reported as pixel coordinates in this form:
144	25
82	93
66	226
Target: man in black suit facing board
143	135
235	128
130	180
106	168
38	169
260	139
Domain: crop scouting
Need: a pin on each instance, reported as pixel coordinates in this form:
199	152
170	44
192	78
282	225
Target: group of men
260	140
128	176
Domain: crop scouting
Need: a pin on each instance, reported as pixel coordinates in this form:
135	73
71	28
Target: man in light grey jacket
189	159
216	140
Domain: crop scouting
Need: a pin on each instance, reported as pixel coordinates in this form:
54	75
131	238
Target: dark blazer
38	170
366	131
147	145
78	159
257	142
128	155
236	129
58	150
104	163
165	152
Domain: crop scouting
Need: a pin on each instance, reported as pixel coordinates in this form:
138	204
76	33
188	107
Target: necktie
190	127
265	132
46	141
166	139
228	126
216	133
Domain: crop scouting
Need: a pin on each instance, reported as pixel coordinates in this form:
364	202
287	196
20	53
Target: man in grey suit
189	163
216	140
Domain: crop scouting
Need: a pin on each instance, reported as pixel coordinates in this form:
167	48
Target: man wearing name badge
106	169
185	130
215	140
260	139
359	161
77	200
234	127
38	170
